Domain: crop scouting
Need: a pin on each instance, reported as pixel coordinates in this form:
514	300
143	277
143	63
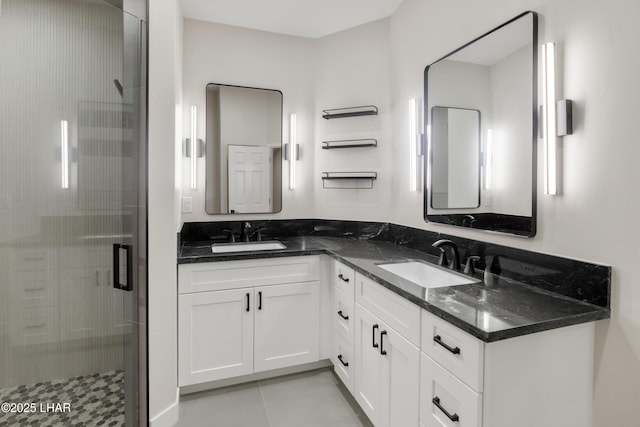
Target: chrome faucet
442	245
244	231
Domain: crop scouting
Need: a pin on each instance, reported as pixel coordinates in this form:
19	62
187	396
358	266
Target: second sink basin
271	245
426	275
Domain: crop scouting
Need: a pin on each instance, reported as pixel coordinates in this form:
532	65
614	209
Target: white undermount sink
271	245
426	275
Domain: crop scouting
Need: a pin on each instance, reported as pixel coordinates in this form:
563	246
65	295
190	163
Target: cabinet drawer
214	276
33	259
444	400
399	313
457	351
34	288
34	325
343	361
344	315
344	278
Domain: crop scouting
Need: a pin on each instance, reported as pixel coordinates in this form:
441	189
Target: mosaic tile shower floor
93	400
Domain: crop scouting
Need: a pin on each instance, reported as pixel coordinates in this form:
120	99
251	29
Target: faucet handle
232	237
468	267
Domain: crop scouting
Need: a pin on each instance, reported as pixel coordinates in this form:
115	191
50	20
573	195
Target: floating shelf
349	143
332	180
338	113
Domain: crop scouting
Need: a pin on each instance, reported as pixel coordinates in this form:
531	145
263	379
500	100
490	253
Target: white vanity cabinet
387	363
541	379
242	317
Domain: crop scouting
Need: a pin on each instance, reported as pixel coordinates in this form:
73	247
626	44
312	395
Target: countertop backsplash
583	281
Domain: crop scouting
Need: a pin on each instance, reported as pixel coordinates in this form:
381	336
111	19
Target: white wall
165	82
216	53
596	216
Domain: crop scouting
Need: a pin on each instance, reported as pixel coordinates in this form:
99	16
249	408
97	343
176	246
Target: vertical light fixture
293	150
64	153
488	154
549	118
413	146
193	146
428	154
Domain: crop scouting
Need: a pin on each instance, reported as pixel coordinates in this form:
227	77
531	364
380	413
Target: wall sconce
488	154
194	147
415	142
64	153
292	151
556	118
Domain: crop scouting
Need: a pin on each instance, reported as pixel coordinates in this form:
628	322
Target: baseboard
169	416
254	377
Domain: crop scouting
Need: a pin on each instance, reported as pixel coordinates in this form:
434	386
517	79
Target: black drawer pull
248	302
344	279
342	315
342	361
373	333
259	300
436	401
438	340
382	351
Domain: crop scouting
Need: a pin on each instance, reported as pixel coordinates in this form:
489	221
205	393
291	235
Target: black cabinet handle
382	351
342	315
259	300
436	401
438	340
373	333
248	308
344	279
342	361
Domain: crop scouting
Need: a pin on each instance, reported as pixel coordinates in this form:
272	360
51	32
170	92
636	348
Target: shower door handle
122	259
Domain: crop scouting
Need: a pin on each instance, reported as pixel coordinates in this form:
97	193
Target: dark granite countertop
500	309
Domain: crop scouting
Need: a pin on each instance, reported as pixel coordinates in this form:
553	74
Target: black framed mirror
243	150
481	125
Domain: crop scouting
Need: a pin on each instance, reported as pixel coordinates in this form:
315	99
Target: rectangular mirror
243	150
455	150
484	178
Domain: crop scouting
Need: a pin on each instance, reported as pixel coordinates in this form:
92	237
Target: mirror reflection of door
455	141
249	179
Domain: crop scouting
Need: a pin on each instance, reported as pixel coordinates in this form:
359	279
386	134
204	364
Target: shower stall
73	212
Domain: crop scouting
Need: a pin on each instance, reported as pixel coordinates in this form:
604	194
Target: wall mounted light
556	118
194	147
64	153
414	140
292	151
488	154
427	152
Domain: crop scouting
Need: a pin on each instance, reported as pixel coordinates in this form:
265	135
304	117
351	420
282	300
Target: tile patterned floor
94	400
310	399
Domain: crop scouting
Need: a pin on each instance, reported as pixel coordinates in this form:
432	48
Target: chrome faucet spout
443	244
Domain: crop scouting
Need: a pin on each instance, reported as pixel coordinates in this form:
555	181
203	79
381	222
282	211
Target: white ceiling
304	18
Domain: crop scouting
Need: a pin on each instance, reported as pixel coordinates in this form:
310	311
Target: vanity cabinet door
387	383
368	364
215	339
401	382
287	325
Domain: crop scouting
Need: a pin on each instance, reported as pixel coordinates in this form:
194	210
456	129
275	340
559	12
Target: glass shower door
72	197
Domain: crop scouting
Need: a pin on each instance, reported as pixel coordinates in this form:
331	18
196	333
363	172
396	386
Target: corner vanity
492	351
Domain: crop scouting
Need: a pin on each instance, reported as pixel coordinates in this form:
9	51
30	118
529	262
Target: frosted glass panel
68	163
